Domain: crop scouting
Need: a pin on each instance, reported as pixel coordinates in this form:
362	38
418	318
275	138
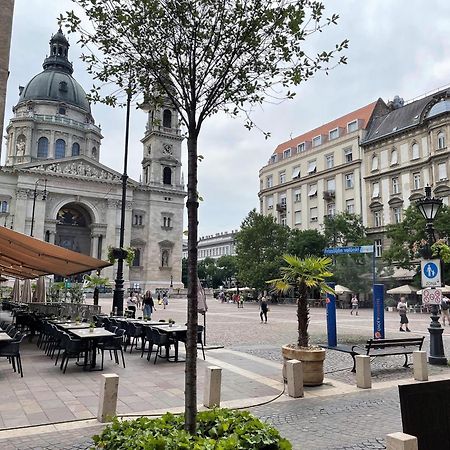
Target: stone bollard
401	441
109	385
420	365
363	374
213	379
294	377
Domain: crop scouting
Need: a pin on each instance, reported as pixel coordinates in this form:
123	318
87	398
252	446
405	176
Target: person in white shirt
354	303
445	305
401	308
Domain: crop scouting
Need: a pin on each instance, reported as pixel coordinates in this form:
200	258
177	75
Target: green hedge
219	429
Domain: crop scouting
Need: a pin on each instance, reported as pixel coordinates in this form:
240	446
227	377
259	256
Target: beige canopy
25	257
339	289
405	289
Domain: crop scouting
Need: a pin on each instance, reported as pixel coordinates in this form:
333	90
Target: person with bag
264	308
149	305
401	308
445	310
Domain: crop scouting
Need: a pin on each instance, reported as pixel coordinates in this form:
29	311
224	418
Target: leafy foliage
306	242
344	229
219	429
300	275
94	281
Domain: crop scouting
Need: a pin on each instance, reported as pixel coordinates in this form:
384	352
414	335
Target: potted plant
298	276
91	327
128	254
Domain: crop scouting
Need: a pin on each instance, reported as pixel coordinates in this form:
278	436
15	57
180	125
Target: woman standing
149	305
401	308
263	309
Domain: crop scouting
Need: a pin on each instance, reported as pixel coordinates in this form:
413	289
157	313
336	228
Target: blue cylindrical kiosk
378	311
331	317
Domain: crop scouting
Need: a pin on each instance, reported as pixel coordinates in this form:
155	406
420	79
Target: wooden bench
381	347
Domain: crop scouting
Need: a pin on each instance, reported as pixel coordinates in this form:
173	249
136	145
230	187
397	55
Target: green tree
303	243
259	246
204	56
344	229
227	266
299	275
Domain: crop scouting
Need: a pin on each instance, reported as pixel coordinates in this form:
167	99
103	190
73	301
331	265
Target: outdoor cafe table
5	337
73	325
176	331
92	335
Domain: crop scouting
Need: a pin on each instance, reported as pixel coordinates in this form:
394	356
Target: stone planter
312	361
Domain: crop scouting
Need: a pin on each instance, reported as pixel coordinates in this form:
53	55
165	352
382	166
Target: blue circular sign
430	270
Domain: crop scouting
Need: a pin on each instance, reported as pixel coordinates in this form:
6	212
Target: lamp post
44	196
429	208
118	288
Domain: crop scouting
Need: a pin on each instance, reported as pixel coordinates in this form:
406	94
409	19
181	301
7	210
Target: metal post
44	196
118	289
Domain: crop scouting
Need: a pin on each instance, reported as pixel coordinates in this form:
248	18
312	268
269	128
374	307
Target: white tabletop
91	332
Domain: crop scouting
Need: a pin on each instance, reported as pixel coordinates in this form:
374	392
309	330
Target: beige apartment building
318	173
405	150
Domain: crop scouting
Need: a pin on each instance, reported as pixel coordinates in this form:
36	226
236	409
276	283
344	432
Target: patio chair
11	350
147	337
134	333
73	348
161	340
113	344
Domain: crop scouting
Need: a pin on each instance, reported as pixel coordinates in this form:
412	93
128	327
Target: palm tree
298	276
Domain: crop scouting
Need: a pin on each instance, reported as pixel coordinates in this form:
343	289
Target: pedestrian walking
264	308
445	310
401	308
149	305
165	300
354	302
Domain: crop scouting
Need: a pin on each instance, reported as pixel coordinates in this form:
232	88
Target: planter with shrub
216	429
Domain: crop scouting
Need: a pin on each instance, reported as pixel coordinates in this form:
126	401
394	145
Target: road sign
348	250
431	296
431	273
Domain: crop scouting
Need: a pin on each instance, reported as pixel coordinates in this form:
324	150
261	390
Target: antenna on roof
290	135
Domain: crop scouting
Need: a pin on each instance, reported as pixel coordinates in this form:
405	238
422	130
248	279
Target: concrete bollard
213	380
363	374
294	376
107	406
420	365
401	441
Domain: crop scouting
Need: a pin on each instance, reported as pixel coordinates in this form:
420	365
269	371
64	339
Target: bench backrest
386	343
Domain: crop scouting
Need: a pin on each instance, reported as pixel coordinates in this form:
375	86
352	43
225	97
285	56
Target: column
20	210
94	246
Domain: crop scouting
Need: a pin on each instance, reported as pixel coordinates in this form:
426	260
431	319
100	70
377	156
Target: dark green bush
219	429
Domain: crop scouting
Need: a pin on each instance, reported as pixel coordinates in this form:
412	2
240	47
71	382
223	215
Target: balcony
281	207
329	195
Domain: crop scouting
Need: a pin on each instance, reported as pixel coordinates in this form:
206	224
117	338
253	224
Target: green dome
56	86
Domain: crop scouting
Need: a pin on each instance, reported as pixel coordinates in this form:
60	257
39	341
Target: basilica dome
56	83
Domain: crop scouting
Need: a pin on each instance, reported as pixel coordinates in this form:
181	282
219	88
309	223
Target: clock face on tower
167	149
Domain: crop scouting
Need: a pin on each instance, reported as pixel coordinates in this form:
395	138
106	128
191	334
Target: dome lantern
59	53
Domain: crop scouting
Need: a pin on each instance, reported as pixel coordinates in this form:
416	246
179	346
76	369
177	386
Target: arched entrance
73	231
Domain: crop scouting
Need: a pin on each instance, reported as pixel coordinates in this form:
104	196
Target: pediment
79	167
395	201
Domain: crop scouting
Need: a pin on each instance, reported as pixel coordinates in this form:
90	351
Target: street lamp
429	207
118	288
44	196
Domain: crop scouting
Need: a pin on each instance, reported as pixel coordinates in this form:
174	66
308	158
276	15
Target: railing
59	120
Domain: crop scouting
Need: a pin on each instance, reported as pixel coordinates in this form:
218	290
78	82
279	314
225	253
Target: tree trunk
303	316
190	395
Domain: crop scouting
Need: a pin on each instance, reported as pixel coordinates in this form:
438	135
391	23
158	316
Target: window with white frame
296	172
442	171
441	140
297	196
377	218
269	202
313	217
348	180
329	161
331	209
301	147
378	247
352	126
397	214
375	189
350	206
334	134
312	166
394	157
297	217
331	185
282	177
395	185
4	206
316	141
416	180
283	199
269	181
287	153
374	163
348	154
415	153
312	190
283	220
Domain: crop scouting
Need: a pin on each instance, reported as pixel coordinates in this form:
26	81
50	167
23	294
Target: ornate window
167	118
167	175
416	180
378	244
60	149
42	150
4	206
137	257
415	151
374	163
441	140
165	254
395	185
75	149
94	152
282	177
394	157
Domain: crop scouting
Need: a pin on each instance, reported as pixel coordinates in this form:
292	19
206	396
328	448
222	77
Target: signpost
431	296
430	270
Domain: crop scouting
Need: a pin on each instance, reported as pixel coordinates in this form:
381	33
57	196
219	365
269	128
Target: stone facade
214	245
54	187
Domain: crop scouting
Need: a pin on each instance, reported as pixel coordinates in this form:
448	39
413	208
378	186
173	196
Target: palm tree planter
299	276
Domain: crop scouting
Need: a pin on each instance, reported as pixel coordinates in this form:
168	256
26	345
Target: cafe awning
23	256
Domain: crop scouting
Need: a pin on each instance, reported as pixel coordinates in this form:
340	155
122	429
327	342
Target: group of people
135	300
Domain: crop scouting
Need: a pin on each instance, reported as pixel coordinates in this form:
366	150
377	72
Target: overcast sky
397	47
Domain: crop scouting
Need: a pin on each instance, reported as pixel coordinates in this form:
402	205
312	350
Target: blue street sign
378	311
348	250
431	273
331	318
430	270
